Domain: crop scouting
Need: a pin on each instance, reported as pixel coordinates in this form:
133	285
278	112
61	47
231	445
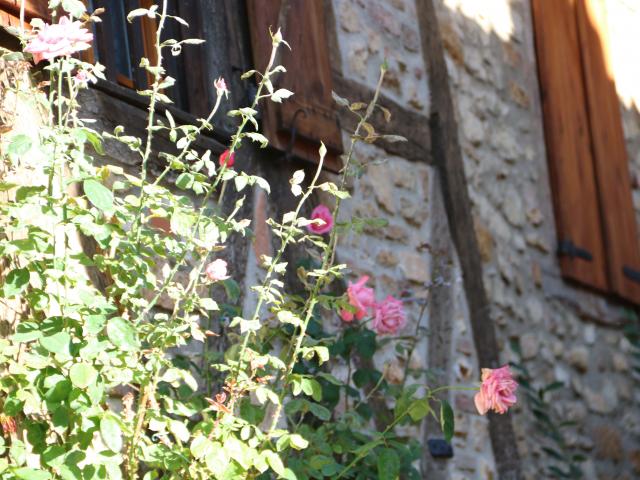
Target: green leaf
232	289
419	409
319	411
56	343
111	433
274	461
122	334
446	420
25	473
20	145
82	375
201	446
298	441
388	465
54	456
184	181
99	195
280	95
16	281
74	7
94	324
95	140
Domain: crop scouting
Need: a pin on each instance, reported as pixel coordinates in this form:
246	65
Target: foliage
92	386
564	461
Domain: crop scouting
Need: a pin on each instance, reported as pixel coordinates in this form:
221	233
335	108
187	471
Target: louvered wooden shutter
609	152
569	143
587	158
310	111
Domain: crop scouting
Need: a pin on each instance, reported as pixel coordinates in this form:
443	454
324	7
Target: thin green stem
328	257
155	89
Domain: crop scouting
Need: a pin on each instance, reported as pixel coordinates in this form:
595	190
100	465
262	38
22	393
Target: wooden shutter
10	11
568	142
609	152
587	155
310	111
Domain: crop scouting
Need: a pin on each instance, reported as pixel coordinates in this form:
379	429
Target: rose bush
94	384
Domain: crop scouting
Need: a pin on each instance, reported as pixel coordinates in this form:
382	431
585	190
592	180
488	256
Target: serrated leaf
15	282
388	464
56	343
99	195
122	334
111	433
258	138
184	181
82	375
26	473
446	420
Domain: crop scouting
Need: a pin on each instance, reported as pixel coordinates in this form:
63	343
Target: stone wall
414	254
566	334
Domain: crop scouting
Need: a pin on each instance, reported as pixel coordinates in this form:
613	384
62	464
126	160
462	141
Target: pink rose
227	158
323	213
360	297
497	391
217	270
59	40
221	87
389	316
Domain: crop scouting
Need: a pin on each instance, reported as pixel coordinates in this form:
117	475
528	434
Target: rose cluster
387	316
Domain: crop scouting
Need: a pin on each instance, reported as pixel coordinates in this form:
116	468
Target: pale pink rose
221	87
389	316
360	297
59	40
323	213
497	391
217	270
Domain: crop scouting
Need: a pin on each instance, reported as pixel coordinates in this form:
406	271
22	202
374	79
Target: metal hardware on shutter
288	154
569	249
631	273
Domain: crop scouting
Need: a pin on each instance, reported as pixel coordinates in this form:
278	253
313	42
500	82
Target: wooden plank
609	150
32	9
568	140
404	121
310	113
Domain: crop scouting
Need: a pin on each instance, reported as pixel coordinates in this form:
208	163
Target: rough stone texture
370	32
565	333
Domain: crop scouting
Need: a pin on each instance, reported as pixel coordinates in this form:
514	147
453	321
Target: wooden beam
411	125
447	154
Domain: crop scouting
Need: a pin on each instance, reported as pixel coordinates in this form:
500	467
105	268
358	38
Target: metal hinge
569	249
631	273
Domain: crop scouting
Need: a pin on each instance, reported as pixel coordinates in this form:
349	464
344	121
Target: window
589	169
120	45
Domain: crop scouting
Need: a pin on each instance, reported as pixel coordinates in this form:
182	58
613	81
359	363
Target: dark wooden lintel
407	123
